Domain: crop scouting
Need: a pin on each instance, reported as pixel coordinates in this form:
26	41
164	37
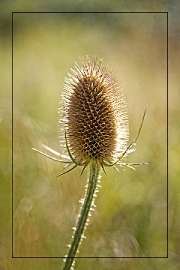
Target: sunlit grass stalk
88	204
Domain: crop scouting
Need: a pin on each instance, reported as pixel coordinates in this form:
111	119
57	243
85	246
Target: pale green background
130	218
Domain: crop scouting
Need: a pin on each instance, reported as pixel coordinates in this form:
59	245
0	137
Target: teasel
94	133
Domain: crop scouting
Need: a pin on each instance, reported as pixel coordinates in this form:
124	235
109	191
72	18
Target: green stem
89	197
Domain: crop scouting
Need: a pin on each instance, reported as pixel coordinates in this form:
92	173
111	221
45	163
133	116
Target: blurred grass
130	218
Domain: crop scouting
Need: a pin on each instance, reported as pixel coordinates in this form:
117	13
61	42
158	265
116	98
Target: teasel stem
94	132
88	203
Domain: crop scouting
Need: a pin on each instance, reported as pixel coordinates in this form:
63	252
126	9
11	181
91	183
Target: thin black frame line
12	143
12	135
94	257
167	146
95	12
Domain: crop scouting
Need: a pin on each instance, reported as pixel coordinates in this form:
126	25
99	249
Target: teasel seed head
93	114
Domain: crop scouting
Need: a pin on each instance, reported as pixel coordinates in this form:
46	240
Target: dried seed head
94	121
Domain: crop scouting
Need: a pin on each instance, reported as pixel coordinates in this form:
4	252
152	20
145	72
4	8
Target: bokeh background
130	219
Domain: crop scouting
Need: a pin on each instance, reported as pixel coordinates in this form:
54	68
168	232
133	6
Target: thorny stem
82	221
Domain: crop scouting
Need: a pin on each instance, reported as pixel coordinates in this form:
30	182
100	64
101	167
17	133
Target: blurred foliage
9	6
130	218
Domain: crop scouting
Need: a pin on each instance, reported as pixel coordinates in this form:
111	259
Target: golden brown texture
94	114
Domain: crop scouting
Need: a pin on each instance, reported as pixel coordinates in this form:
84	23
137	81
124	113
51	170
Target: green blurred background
131	215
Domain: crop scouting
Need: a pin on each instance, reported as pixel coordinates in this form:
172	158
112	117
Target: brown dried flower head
94	121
